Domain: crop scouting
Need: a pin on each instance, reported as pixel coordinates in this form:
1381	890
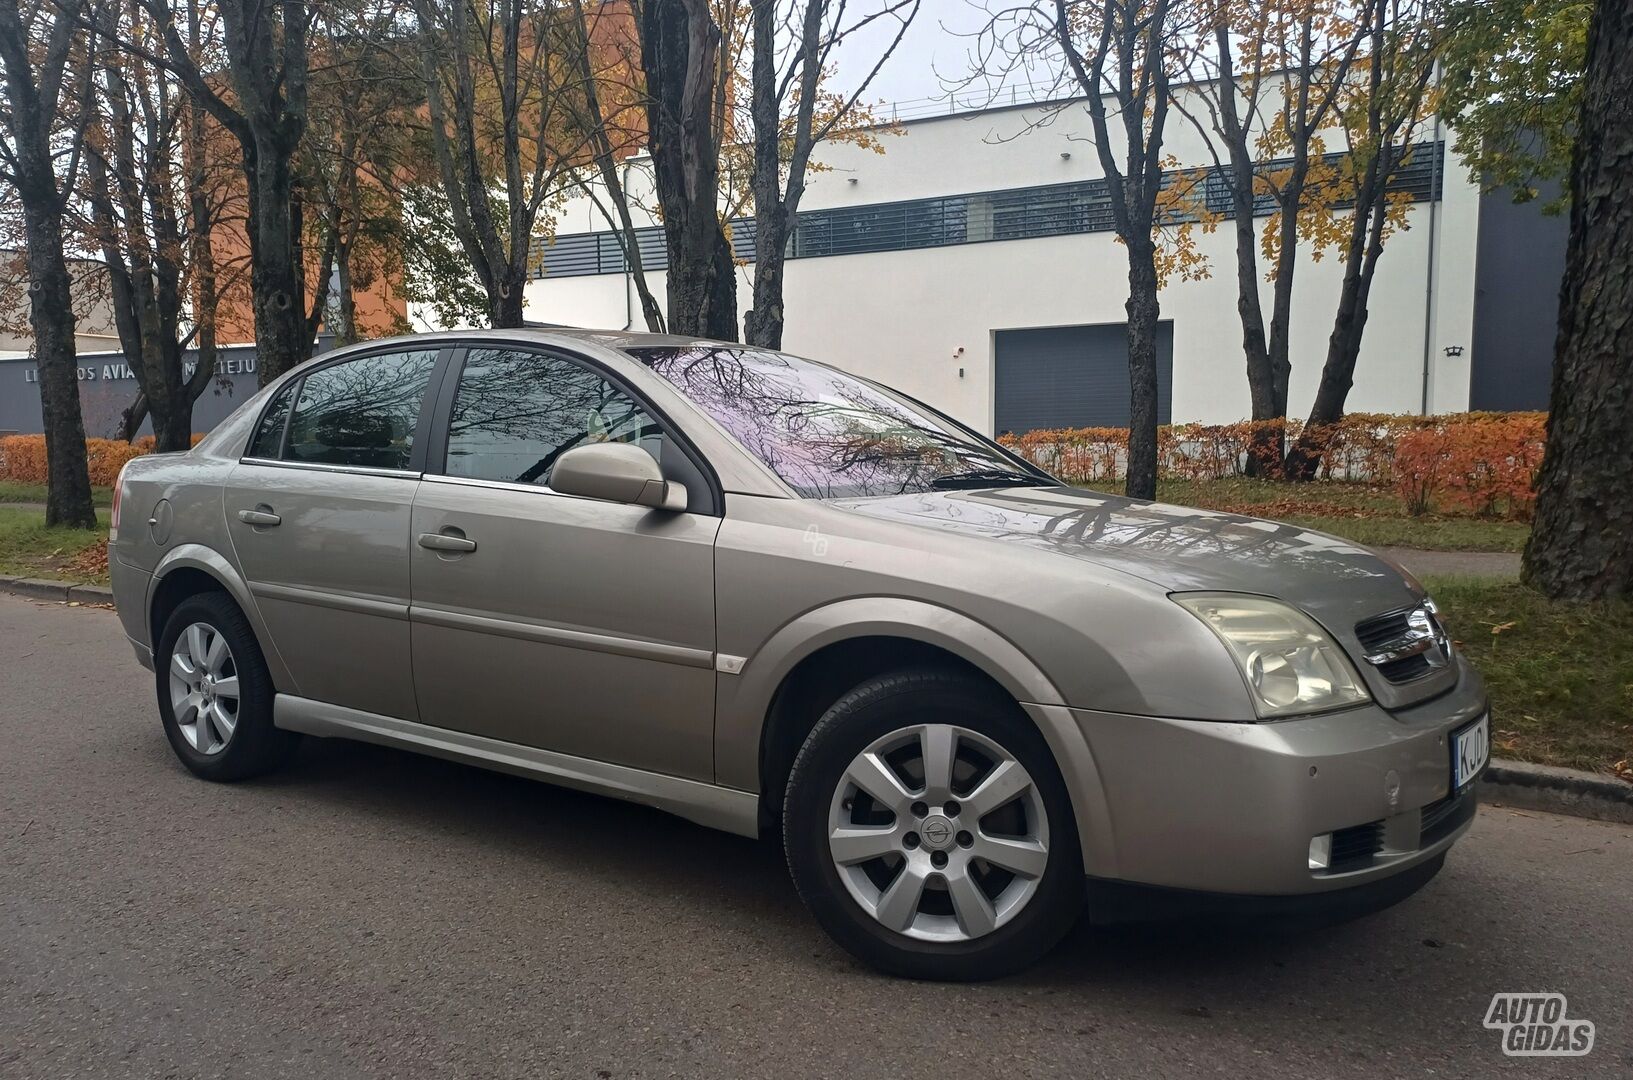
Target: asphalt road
371	913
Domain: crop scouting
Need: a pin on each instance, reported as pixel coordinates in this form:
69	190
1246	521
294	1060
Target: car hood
1178	548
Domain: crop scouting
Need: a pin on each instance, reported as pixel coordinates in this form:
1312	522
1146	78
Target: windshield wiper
984	478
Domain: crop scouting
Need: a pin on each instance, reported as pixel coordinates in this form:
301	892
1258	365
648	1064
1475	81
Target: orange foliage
1486	467
1483	462
22	457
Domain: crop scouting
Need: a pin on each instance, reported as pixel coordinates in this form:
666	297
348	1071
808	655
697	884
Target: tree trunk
1581	547
130	421
50	291
51	313
1143	311
281	337
345	304
505	300
1349	324
762	324
680	47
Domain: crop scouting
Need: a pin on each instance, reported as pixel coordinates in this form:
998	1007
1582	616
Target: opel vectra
773	597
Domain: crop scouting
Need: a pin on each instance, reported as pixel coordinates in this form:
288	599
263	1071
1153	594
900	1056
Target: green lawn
28	548
13	492
1560	675
1360	512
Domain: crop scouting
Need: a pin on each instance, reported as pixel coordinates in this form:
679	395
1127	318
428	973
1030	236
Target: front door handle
445	542
264	518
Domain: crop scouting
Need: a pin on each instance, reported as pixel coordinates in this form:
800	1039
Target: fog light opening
1321	851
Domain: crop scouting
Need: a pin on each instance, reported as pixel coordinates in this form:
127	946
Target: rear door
569	624
318	512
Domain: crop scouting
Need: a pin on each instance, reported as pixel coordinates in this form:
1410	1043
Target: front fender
744	698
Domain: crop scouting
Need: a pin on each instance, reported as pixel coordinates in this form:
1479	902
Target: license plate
1470	748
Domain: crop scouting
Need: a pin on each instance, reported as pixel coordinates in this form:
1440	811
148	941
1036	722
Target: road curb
1557	791
60	591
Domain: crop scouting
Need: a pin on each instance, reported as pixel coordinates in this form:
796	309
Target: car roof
613	339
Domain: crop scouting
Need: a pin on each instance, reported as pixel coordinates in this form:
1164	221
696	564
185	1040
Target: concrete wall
916	319
106	389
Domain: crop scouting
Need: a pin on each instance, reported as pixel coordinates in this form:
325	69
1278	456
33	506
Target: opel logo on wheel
937	831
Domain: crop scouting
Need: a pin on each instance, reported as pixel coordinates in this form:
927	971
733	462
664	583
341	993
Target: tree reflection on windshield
828	434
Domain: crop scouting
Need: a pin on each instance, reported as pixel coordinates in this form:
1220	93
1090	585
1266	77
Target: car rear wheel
215	695
928	829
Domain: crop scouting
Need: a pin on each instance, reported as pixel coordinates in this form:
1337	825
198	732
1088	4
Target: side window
515	413
361	412
265	442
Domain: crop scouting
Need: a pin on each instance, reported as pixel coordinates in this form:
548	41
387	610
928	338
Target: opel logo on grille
1420	635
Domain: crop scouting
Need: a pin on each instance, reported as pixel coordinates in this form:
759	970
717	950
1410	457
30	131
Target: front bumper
1232	807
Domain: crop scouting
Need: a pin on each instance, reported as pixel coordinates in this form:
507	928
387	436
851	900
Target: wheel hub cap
938	832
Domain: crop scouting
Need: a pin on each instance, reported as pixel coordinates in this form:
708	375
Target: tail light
113	515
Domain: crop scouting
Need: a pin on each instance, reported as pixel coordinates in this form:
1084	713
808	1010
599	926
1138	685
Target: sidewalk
1486	564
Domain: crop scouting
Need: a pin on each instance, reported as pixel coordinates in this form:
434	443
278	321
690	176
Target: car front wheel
928	829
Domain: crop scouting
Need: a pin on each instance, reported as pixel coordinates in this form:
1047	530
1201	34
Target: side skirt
716	807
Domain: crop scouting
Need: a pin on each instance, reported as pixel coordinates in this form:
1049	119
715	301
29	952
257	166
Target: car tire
949	932
217	735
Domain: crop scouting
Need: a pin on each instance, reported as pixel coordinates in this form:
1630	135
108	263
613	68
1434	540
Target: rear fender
219	567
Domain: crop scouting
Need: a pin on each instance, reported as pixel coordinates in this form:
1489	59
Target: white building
972	265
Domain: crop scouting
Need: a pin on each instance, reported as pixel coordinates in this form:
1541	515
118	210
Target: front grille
1380	631
1354	847
1444	817
1406	668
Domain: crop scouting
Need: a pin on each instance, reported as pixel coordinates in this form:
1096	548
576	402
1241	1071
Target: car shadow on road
731	877
503	814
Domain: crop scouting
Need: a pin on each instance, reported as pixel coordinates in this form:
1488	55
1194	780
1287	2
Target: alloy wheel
204	688
939	833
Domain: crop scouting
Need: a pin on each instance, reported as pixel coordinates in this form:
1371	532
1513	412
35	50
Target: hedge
1484	462
22	457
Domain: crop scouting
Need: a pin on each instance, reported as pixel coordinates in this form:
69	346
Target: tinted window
828	434
271	432
517	412
361	412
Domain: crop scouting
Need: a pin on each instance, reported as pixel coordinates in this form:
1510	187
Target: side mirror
616	472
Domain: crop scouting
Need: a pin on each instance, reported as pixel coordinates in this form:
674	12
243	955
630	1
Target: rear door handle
444	542
259	517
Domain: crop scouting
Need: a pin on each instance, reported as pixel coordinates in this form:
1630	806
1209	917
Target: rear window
268	439
361	412
831	435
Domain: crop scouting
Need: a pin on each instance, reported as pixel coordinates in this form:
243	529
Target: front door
318	514
573	625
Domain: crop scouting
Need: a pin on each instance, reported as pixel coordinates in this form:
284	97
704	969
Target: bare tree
1119	52
783	143
263	103
1380	111
687	73
500	98
1272	73
153	203
606	58
47	84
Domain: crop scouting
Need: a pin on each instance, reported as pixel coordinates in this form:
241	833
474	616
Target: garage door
1072	376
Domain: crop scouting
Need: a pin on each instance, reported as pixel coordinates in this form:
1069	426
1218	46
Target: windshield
831	435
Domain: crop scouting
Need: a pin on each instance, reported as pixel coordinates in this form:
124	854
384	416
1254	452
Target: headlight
1290	664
